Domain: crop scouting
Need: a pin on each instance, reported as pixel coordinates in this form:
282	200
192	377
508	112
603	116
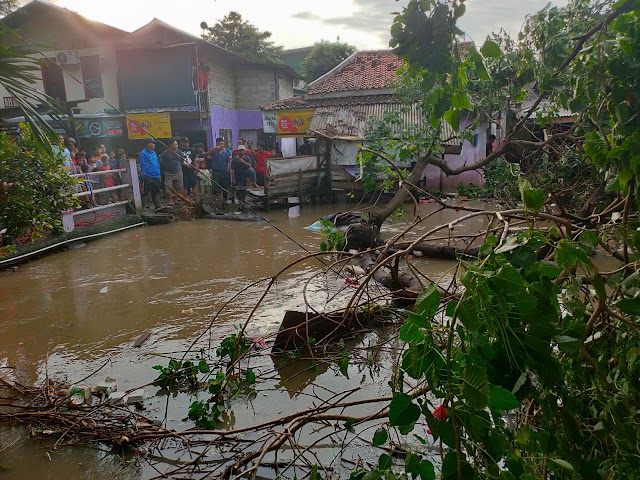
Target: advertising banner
294	123
148	125
270	122
100	127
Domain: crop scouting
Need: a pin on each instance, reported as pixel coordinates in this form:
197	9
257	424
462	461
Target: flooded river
79	311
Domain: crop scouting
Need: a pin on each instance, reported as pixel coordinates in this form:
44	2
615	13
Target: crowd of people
194	171
180	170
78	161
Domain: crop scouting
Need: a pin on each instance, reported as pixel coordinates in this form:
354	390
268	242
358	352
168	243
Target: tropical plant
35	187
19	74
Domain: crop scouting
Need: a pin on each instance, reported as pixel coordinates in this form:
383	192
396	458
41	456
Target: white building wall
75	90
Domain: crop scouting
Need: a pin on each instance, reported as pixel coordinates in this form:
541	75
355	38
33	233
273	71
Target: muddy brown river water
81	309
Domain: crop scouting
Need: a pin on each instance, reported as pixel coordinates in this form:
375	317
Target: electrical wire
97	95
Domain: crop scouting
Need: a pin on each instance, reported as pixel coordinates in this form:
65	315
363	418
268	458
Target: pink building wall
436	180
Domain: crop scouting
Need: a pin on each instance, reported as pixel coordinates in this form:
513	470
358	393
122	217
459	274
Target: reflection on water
170	280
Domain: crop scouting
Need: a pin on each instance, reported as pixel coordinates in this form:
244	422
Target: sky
363	23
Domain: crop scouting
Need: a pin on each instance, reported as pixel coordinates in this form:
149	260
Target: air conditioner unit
69	57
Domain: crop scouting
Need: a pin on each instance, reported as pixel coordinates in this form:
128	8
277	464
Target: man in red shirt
261	161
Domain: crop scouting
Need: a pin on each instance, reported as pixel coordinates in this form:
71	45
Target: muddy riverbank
81	310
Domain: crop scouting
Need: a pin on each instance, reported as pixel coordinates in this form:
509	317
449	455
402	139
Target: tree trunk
378	217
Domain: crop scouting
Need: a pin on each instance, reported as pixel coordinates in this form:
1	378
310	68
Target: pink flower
351	282
440	414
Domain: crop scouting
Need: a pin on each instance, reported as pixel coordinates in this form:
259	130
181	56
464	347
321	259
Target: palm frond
19	76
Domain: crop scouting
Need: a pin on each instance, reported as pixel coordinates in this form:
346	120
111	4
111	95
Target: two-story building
207	90
116	80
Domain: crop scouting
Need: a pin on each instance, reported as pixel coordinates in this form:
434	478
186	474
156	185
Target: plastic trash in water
104	289
109	385
187	311
316	227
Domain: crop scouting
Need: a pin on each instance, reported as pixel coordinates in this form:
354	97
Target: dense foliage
239	36
323	57
538	328
8	6
34	188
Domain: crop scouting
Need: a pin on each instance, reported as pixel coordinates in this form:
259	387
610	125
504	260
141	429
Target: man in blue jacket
150	168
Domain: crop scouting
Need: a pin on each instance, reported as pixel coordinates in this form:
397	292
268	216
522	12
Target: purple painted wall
234	120
436	180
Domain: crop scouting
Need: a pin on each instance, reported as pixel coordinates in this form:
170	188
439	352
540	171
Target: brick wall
254	87
222	88
285	87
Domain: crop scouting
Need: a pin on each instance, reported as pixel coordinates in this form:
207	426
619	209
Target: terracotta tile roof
361	71
294	103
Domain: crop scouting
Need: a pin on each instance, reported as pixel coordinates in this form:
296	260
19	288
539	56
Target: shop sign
100	127
149	125
294	123
270	122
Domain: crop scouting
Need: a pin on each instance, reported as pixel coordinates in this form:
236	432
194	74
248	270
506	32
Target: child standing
204	178
107	181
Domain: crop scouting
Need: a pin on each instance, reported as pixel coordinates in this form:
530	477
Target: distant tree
8	6
239	36
323	57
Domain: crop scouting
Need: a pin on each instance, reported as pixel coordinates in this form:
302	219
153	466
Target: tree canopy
8	6
323	57
239	36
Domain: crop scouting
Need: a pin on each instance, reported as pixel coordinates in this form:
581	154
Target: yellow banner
148	125
294	123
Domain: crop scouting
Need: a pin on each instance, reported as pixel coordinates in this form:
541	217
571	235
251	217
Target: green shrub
34	189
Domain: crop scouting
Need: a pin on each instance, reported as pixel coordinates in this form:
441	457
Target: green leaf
533	198
374	475
589	239
475	388
568	344
501	399
402	411
630	306
511	243
343	363
522	257
250	377
384	462
426	470
452	117
428	300
562	464
520	382
490	49
508	278
461	101
348	425
411	333
380	437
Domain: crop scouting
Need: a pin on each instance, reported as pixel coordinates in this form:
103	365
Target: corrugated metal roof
531	98
350	122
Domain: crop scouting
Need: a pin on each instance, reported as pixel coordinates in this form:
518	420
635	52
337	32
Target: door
53	79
